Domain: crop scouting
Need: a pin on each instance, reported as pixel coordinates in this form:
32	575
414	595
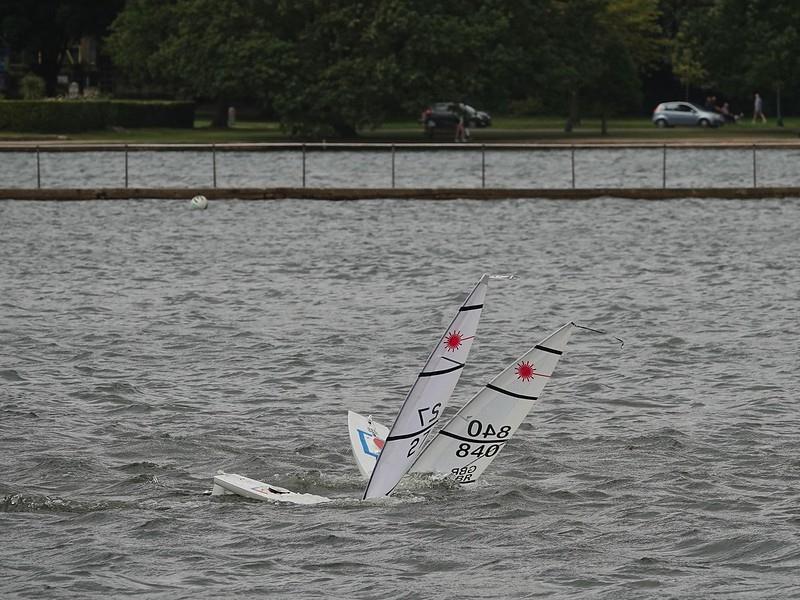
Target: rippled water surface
144	346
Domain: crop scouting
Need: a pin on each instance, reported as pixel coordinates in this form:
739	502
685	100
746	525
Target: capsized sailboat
473	438
428	397
425	402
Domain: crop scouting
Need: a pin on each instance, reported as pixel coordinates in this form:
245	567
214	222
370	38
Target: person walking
758	109
461	129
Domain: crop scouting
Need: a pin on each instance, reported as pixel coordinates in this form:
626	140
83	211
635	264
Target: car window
685	108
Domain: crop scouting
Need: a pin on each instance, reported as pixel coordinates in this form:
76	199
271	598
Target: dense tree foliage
335	75
612	43
339	66
214	49
746	46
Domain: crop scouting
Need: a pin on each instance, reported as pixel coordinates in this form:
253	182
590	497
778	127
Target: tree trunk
574	108
779	115
603	124
568	123
220	119
573	118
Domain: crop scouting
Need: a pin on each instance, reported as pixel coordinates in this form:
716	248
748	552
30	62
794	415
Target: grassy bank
504	129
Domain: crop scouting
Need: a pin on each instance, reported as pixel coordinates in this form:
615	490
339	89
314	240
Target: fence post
214	163
392	166
126	166
572	164
664	167
483	165
38	170
755	181
304	165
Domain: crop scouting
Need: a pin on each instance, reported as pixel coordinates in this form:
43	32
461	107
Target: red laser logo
525	371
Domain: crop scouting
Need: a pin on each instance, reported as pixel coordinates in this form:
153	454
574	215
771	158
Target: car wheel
661	123
704	123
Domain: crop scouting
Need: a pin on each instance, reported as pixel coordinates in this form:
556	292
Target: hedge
53	116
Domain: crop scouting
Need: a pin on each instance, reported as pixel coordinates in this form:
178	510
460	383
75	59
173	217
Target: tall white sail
428	397
472	439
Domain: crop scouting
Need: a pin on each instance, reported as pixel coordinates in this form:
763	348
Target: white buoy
199	202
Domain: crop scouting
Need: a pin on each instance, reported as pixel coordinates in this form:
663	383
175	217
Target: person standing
460	129
458	109
758	109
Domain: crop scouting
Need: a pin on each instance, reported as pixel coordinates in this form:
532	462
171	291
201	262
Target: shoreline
351	194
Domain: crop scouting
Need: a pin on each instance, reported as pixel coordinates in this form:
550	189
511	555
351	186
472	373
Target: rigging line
621	343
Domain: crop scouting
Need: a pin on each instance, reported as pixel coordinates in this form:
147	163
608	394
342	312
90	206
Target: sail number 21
431	420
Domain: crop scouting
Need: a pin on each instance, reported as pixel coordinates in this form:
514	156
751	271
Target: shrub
32	87
53	116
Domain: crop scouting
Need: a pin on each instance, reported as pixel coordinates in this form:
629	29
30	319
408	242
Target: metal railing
304	149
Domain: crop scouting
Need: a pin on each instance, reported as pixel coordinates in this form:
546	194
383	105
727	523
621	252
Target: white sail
428	396
366	440
474	437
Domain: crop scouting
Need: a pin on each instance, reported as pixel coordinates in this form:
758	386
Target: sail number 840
477	430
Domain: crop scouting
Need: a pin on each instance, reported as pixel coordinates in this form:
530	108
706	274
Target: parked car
671	114
445	115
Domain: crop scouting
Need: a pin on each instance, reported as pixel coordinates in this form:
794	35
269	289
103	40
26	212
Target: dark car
445	115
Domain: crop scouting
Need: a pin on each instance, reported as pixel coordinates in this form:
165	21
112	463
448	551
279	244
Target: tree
136	36
338	74
215	49
685	64
747	45
523	58
606	45
775	42
331	66
358	62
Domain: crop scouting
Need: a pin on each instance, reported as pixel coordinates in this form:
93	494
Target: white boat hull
231	483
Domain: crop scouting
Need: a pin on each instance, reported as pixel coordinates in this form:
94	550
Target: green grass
504	129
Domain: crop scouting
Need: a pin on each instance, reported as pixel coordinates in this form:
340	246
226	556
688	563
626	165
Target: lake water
144	346
522	168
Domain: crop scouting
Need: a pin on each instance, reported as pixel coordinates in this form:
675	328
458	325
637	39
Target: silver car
670	114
